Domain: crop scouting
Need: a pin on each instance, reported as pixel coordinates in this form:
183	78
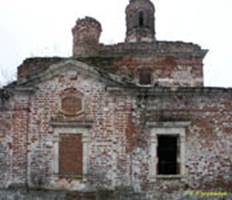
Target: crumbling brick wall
13	142
119	148
118	157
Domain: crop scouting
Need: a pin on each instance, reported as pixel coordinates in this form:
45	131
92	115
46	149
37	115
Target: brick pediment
80	68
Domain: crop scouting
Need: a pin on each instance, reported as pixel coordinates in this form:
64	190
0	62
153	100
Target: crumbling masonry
133	116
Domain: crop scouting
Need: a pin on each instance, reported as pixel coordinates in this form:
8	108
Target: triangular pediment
75	66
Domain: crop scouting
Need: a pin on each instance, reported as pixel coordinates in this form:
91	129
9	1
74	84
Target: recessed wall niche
71	102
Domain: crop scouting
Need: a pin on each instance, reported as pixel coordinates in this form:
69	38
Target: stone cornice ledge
167	91
72	124
19	90
169	176
177	124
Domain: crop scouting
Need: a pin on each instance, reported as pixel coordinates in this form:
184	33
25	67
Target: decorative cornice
71	124
168	91
176	124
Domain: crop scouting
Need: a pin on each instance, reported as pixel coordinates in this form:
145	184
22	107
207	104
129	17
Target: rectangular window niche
81	134
167	150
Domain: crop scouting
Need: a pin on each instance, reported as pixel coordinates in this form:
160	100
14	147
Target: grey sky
30	28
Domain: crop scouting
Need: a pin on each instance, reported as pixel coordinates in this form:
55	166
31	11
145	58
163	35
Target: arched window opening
141	19
145	77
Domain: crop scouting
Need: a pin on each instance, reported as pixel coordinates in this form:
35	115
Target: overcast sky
31	28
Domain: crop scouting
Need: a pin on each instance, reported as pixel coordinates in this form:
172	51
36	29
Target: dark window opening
167	154
141	19
145	77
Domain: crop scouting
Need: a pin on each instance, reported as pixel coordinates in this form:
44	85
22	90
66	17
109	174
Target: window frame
167	128
71	128
139	74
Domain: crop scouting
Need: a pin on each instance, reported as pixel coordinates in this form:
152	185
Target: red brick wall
166	70
119	148
13	140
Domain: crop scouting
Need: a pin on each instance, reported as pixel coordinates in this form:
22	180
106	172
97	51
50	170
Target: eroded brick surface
119	149
113	121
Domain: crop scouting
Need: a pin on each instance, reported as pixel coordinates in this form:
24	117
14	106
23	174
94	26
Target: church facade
129	115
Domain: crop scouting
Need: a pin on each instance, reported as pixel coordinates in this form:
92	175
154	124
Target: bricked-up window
167	152
145	77
70	155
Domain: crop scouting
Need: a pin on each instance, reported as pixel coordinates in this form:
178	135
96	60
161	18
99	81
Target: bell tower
140	21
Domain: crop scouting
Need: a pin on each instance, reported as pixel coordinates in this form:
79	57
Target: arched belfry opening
140	21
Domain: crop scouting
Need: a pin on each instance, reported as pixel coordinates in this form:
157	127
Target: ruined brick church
130	115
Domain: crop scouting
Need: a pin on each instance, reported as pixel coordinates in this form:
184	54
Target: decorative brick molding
72	102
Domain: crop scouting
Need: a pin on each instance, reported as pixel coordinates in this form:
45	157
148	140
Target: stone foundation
119	194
